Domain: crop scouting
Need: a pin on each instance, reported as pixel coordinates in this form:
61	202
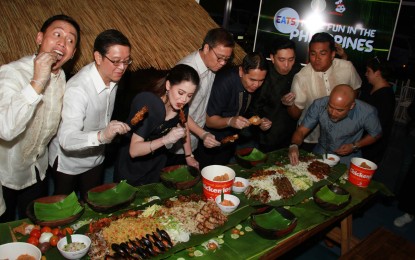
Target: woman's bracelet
229	122
151	150
204	135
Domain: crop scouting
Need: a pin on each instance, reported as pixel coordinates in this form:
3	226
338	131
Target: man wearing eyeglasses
318	78
77	152
216	51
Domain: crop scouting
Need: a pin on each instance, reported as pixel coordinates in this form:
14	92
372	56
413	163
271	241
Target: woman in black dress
144	152
382	97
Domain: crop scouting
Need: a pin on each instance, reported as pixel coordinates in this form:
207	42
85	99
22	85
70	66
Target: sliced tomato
67	230
54	240
35	233
33	241
56	231
45	229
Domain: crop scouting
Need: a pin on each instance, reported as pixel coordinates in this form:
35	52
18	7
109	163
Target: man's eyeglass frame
220	59
118	63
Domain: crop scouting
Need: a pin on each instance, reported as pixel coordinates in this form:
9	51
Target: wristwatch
355	147
189	155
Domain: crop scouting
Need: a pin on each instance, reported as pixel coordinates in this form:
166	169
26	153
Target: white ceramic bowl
227	209
331	159
77	254
15	249
237	189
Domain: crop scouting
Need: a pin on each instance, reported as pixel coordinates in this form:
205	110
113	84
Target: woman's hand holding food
173	136
113	128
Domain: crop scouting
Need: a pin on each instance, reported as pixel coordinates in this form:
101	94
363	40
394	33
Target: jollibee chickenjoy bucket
361	171
213	187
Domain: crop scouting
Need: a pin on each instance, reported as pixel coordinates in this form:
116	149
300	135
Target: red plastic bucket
211	188
361	171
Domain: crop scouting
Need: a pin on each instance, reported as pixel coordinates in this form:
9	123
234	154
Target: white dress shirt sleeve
355	80
18	101
72	135
298	89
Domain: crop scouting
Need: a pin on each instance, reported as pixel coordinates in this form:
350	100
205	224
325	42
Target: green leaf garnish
68	238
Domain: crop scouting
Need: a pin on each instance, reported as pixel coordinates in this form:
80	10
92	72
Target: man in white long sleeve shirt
31	91
77	152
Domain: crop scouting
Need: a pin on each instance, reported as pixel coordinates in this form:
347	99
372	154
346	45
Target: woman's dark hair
177	74
254	60
108	38
378	64
323	37
65	18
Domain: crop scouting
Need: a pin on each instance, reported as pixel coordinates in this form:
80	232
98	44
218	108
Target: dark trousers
20	199
66	183
406	194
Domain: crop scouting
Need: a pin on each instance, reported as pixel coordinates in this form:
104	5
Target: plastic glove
43	67
238	122
288	99
173	136
113	128
209	140
265	124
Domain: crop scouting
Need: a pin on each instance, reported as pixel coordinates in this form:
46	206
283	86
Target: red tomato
33	241
46	229
54	240
67	230
56	231
35	233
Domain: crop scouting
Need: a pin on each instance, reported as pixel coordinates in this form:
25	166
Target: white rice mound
298	175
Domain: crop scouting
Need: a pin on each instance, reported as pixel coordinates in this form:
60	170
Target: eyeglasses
220	59
118	63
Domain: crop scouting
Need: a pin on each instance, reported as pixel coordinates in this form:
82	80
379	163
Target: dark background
244	16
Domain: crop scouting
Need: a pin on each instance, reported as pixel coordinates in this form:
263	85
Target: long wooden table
342	235
312	220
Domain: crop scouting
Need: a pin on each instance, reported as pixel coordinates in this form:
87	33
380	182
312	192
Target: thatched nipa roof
161	31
